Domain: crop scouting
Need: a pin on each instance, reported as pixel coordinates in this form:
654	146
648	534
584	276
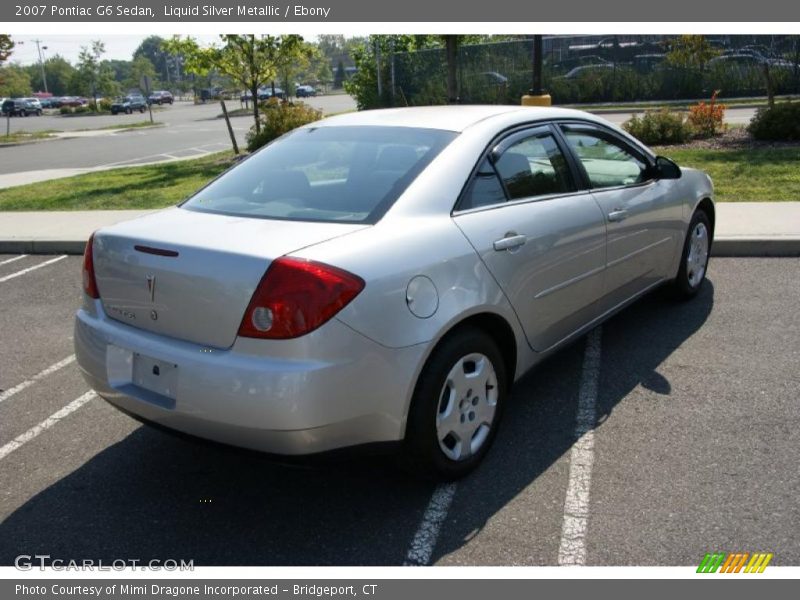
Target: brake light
89	282
296	297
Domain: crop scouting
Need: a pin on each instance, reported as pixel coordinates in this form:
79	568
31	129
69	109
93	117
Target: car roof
450	118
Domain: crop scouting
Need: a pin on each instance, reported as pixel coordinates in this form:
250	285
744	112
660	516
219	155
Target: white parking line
10	260
33	268
424	542
572	550
33	432
40	375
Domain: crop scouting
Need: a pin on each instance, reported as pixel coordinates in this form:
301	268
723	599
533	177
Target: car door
541	237
640	213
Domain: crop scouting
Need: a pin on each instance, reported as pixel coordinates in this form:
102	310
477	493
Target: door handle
511	241
618	214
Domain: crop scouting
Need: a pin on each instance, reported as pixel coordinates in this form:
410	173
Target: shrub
279	118
81	109
777	122
104	105
65	110
659	127
707	120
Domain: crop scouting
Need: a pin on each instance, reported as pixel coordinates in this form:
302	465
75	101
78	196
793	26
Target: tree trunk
451	49
770	87
254	92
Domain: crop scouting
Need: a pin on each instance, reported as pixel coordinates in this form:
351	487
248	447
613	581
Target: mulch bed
735	138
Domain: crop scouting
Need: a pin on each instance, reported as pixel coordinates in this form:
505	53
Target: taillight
89	282
295	297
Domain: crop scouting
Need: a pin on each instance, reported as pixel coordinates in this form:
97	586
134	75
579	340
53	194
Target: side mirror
666	169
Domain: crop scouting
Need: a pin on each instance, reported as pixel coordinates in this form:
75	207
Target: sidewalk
742	229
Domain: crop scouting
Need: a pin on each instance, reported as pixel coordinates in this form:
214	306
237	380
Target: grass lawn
137	125
760	174
152	186
25	136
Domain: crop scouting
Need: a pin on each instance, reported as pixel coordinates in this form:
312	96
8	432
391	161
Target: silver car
384	276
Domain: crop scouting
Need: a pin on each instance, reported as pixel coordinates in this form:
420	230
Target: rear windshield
342	174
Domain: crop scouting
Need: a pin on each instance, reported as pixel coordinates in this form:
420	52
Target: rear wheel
456	407
694	260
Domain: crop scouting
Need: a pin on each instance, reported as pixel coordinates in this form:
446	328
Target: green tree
14	81
93	76
59	74
153	49
690	52
6	47
338	79
363	85
290	65
250	61
140	67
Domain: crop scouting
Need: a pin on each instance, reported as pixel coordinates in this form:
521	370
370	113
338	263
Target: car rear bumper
327	390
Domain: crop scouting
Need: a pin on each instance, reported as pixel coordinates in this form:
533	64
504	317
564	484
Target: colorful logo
734	562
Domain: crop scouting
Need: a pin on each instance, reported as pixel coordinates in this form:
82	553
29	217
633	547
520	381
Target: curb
722	247
765	246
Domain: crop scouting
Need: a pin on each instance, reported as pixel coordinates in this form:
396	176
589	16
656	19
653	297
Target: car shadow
156	496
539	426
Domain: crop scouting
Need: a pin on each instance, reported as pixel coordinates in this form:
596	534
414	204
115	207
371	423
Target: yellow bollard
543	100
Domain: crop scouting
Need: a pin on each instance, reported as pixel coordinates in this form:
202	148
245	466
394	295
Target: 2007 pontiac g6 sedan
384	276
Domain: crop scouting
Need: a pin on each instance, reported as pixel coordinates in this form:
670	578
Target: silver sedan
384	277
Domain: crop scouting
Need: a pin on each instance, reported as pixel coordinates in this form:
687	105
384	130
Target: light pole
40	50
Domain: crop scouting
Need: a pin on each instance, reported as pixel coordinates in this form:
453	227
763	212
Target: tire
694	258
456	407
141	110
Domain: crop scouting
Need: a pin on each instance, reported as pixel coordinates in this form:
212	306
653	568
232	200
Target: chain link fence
583	69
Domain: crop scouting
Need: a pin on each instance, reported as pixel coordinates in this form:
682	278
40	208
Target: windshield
342	174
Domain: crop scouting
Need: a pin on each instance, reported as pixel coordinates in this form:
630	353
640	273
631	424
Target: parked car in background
128	104
267	92
34	103
394	298
644	63
305	91
160	97
21	107
567	64
71	101
749	59
588	70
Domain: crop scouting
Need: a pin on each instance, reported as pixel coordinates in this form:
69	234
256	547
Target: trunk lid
190	275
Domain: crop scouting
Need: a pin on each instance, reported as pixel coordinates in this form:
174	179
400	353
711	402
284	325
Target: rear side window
534	166
341	174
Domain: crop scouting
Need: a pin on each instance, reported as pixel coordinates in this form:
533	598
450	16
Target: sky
118	47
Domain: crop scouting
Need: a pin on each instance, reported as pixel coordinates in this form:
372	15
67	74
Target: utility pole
41	61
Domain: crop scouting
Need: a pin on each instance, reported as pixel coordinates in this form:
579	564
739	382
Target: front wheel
456	406
694	260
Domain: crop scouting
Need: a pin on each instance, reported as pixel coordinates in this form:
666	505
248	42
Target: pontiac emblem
151	287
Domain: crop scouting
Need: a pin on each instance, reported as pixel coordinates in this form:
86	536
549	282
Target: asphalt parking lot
188	131
693	447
